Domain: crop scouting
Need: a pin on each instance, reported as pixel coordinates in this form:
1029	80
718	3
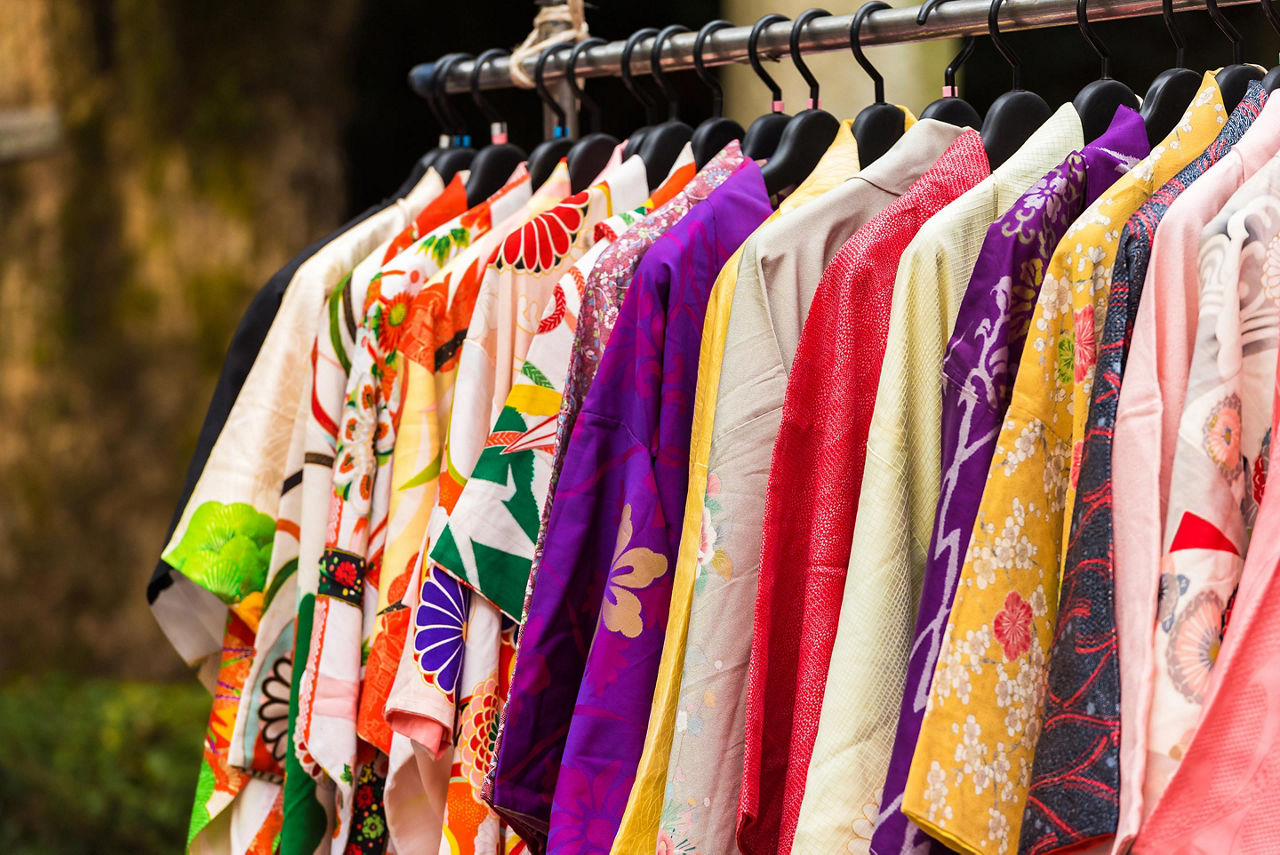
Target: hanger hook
993	30
571	74
717	92
457	124
497	127
422	80
540	84
637	92
966	49
794	44
1179	43
753	55
1272	18
655	66
1220	20
1086	29
855	42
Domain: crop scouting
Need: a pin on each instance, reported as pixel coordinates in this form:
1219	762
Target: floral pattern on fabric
541	244
1223	433
438	319
359	505
517	293
575	721
490	539
972	766
1212	803
369	822
606	286
979	370
1082	711
252	465
440	628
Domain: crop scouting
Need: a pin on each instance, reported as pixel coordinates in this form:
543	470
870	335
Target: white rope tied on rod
570	13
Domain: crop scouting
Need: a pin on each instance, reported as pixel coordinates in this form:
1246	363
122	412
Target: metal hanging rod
891	26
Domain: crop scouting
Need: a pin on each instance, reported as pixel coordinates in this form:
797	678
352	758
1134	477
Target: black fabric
241	353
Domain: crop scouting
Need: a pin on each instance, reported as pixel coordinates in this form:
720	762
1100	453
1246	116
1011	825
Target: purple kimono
589	650
978	371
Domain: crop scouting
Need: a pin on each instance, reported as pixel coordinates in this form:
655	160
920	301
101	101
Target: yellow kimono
972	765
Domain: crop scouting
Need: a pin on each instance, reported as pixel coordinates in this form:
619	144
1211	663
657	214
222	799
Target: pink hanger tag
812	103
779	107
950	92
498	133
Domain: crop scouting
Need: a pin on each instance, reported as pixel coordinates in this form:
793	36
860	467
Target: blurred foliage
96	765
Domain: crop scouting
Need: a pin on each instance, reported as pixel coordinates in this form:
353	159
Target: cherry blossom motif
540	244
1086	344
1012	626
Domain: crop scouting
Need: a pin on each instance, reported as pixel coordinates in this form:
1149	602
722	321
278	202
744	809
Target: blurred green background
198	146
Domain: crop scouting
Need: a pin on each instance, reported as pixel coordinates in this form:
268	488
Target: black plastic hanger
1016	114
761	138
663	143
809	133
546	154
458	156
881	125
1098	101
495	162
951	108
591	153
636	138
1233	80
712	135
1171	92
420	81
1272	81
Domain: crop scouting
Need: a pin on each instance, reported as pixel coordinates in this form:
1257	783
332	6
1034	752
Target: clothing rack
890	26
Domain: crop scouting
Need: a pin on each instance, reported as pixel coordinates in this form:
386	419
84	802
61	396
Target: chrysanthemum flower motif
1222	436
1086	348
389	324
478	732
440	630
1193	645
273	713
540	244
